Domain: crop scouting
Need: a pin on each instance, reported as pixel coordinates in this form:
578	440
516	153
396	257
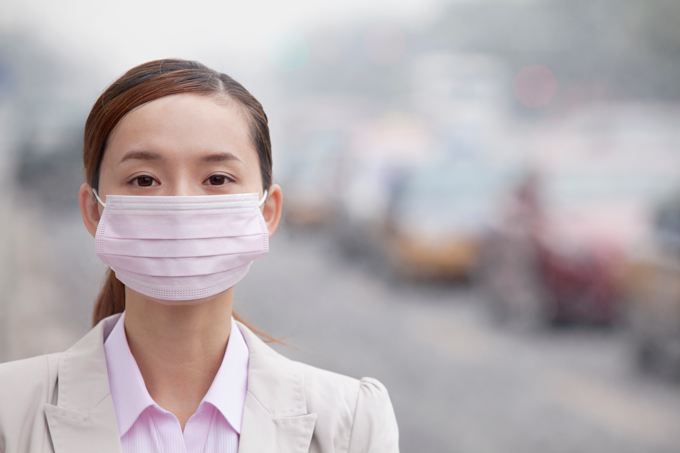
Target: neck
178	348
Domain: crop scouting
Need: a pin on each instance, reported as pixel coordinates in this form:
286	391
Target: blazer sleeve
374	429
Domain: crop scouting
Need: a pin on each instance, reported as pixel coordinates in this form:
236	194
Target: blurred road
458	383
54	278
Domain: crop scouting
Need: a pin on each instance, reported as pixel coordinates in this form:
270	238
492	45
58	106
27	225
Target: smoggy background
482	199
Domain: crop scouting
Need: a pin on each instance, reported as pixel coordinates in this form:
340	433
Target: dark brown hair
148	82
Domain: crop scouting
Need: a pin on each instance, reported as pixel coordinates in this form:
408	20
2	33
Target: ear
89	208
271	210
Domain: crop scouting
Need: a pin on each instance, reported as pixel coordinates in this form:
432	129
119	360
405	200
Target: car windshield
607	187
448	194
448	186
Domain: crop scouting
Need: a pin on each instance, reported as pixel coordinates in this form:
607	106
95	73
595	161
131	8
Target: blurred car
377	155
557	253
311	182
49	161
436	218
653	294
363	205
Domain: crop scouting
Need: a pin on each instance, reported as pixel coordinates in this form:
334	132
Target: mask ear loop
94	191
264	198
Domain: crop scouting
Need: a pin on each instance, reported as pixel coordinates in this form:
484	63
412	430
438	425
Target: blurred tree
609	48
46	93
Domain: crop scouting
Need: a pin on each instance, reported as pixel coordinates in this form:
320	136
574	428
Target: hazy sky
127	32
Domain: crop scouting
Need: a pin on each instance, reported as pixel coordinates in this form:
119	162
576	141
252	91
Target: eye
217	180
144	181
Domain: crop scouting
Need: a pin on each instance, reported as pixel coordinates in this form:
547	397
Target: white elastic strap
97	196
264	197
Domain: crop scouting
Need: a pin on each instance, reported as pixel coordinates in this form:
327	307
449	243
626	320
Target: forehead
183	126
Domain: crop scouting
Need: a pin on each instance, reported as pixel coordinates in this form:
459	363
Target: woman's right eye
144	181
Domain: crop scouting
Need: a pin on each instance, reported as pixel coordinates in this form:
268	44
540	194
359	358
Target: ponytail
111	301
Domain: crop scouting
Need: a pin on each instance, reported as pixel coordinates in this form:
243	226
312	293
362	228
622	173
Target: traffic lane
457	382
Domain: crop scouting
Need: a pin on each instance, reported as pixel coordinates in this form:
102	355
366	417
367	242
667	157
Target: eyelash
227	179
137	178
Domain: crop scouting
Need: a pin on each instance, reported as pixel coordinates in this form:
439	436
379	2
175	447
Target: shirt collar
230	386
130	396
128	392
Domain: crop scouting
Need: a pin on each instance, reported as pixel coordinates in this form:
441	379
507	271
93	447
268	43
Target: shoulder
25	379
327	386
25	387
352	415
357	411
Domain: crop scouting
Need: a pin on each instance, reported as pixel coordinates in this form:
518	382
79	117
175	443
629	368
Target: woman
180	200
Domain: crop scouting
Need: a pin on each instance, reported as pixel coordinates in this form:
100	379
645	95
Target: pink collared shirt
146	427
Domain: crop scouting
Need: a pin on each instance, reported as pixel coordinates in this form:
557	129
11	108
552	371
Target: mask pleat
182	288
182	248
182	267
180	225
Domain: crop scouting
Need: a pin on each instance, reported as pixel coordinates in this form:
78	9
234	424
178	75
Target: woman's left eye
217	180
144	181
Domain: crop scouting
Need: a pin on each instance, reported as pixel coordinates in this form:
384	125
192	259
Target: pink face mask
178	248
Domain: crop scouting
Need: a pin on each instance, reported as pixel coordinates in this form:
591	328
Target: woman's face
183	144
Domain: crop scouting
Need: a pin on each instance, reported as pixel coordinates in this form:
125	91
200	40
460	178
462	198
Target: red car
556	253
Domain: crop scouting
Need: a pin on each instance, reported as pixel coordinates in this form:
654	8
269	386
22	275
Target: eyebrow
219	157
140	155
149	155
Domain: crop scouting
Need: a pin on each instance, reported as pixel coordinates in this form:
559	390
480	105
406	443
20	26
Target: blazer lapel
263	432
84	419
275	417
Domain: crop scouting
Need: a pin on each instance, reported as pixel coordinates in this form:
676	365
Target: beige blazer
61	403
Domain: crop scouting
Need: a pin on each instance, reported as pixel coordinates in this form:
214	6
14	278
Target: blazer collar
84	419
275	417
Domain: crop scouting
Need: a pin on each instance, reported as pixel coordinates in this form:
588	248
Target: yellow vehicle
437	218
450	256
